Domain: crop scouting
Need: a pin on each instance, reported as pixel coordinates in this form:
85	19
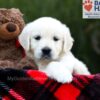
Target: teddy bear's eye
37	37
55	38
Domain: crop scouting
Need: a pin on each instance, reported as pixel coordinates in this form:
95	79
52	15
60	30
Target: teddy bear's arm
25	62
6	64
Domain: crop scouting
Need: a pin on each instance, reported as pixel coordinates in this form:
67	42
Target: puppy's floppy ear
68	40
24	38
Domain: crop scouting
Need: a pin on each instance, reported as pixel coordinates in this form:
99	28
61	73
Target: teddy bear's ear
24	38
17	11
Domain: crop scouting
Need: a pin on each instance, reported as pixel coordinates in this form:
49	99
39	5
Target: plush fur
11	25
49	43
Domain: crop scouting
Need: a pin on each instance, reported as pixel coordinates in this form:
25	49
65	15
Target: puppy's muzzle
46	52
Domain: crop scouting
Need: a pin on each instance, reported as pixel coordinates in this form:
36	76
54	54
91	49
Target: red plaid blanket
35	85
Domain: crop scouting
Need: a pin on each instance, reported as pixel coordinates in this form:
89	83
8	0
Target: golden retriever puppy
49	43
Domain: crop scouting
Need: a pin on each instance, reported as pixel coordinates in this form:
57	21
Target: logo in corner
88	5
91	9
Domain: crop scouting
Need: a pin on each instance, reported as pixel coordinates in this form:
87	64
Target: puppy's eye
55	38
37	37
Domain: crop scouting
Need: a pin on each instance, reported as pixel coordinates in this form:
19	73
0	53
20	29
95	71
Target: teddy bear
11	52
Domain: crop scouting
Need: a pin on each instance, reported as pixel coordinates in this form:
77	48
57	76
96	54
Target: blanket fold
35	85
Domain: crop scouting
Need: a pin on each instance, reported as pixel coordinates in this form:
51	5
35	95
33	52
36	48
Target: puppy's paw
64	78
60	73
80	68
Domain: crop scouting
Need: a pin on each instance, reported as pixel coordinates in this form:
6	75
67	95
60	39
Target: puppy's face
46	39
47	44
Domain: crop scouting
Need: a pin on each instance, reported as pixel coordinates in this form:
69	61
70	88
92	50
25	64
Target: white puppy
49	43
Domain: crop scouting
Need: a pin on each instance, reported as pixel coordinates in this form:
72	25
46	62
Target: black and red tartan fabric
35	85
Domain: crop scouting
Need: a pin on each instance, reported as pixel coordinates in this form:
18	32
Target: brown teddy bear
11	25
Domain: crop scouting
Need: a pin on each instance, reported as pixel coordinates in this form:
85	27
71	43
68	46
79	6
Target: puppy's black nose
46	51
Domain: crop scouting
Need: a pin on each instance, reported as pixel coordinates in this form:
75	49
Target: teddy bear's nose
11	27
